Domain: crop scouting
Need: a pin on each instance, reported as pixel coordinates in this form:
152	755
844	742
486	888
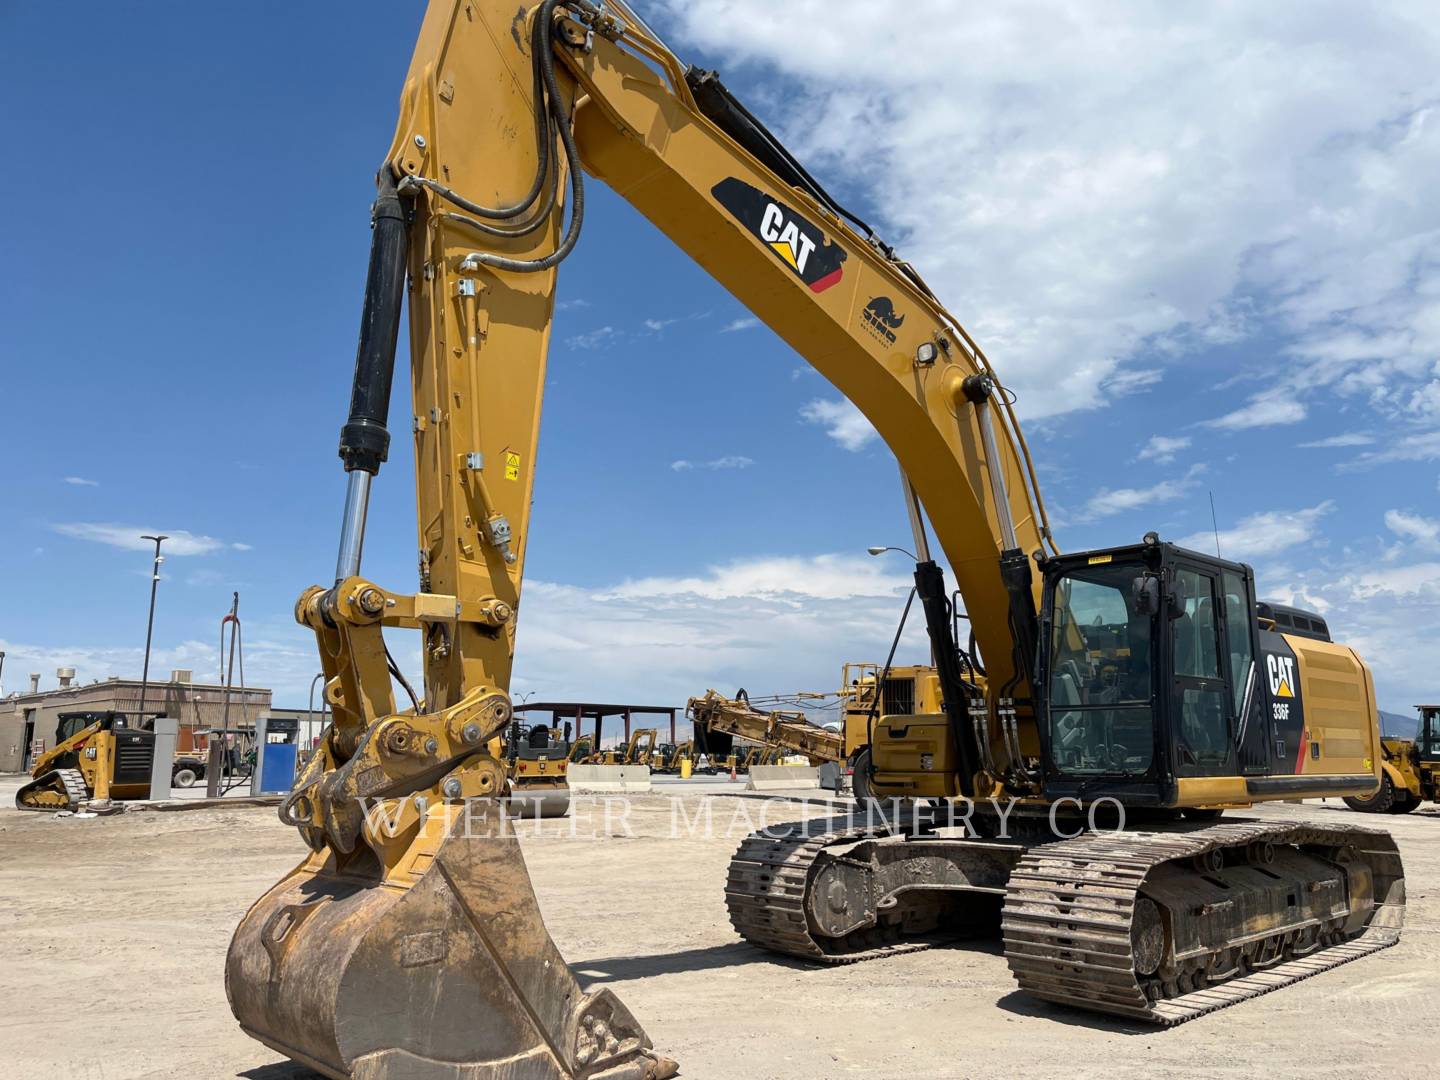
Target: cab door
1203	707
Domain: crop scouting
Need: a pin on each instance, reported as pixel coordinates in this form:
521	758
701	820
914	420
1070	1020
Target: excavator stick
441	972
409	943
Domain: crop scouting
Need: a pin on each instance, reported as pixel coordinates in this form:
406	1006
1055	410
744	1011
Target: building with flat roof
28	719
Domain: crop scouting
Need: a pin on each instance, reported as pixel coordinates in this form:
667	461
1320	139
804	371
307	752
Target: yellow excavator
639	749
408	941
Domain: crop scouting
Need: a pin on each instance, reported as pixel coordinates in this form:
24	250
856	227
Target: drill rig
408	942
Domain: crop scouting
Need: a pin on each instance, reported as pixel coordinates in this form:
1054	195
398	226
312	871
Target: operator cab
1427	737
71	724
1147	670
539	742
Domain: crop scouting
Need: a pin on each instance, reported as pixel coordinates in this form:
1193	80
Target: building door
29	742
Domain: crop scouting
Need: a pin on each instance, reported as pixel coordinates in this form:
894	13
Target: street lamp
150	623
879	550
2	672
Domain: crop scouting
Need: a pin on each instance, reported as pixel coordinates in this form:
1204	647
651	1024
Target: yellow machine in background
538	758
905	690
1411	770
408	942
668	758
719	720
638	750
97	756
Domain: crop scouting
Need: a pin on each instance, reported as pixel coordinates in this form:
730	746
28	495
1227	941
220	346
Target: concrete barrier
782	777
609	779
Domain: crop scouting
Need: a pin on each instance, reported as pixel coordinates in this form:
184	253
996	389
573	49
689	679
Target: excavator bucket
443	971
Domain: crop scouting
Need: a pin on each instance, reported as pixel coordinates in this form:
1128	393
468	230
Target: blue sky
1194	250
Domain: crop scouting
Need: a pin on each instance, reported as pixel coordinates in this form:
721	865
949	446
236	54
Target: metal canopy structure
578	712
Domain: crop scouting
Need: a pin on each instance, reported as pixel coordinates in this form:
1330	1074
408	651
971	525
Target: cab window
1100	684
1237	634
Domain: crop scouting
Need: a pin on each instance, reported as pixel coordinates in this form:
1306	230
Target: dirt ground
113	933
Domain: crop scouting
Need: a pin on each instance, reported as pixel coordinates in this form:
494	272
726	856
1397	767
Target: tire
1405	804
184	777
860	778
1379	803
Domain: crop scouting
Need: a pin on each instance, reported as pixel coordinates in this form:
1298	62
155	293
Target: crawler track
1070	906
63	789
1069	914
765	894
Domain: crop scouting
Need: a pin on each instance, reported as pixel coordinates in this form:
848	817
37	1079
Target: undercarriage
1160	925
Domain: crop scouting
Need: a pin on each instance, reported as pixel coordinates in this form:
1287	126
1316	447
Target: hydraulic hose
545	59
542	148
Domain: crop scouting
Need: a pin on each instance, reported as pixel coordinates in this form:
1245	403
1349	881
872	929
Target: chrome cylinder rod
917	521
995	467
352	528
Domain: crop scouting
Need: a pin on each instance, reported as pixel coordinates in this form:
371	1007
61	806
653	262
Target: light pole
150	623
880	550
2	672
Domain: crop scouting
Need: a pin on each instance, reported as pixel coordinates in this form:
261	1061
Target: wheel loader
1128	683
97	756
1410	771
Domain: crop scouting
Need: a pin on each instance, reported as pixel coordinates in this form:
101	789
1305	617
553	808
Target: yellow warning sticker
1097	559
512	465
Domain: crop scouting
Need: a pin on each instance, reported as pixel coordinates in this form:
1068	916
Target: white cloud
1262	534
1162	449
242	547
1349	438
1264	410
1108	501
842	421
571	305
1424	532
279	656
1132	381
729	461
593	339
1408	446
769	624
739	324
824	577
1107	192
129	537
657	325
80	481
1416	580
